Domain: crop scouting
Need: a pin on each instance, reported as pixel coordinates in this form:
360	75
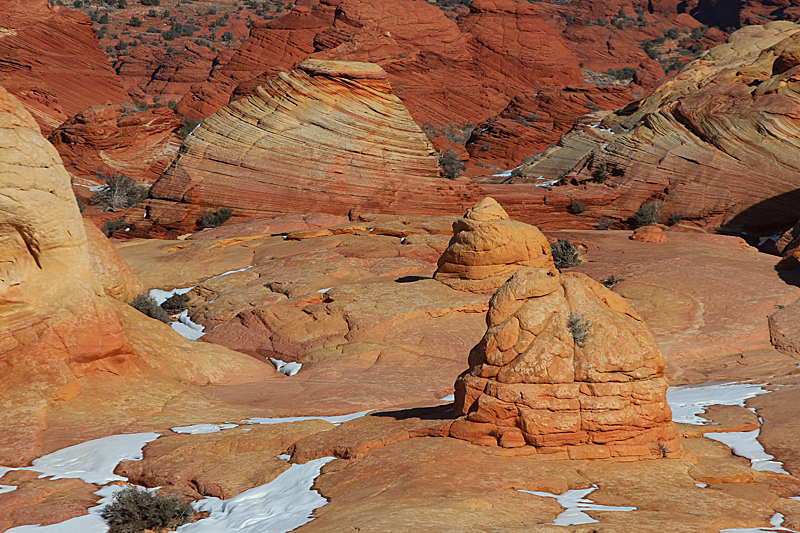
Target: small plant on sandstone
214	219
660	448
120	192
114	225
575	207
647	214
565	254
175	303
675	218
579	327
148	306
135	510
187	127
612	280
451	164
605	223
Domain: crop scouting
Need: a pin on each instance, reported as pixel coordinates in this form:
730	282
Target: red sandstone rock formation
113	138
52	61
65	334
536	119
565	366
329	137
651	234
717	144
154	73
487	248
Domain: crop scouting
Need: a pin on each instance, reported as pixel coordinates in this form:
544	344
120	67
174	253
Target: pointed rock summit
566	367
329	137
487	248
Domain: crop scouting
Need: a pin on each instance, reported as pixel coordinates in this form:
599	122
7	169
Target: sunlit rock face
565	367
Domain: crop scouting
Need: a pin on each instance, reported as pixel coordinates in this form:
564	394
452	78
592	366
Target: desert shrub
122	192
150	2
175	303
575	207
565	254
610	281
216	218
135	21
672	33
601	173
624	73
110	227
579	327
647	214
675	218
451	164
661	449
148	306
187	126
135	510
605	223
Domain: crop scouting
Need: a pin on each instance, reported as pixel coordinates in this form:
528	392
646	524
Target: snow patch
93	461
775	238
200	429
574	506
775	525
7	488
281	505
448	398
230	272
288	369
335	420
161	296
745	444
323	291
187	328
689	401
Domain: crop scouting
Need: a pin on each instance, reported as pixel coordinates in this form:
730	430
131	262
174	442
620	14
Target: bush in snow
135	510
148	306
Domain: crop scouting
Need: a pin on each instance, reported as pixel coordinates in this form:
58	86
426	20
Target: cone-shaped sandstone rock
329	137
565	366
487	248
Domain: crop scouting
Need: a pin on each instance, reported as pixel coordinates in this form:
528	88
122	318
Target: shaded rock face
55	66
114	138
716	144
329	137
487	248
565	366
65	333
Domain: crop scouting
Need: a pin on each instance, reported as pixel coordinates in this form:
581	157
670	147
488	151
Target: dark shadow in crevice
439	412
410	279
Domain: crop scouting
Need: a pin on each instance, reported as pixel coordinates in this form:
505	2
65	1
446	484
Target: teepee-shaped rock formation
329	137
487	248
565	366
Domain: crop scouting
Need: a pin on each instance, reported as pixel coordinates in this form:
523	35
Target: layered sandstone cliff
565	366
716	144
329	137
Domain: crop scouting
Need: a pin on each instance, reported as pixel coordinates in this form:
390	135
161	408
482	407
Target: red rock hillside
52	61
118	138
716	145
442	72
